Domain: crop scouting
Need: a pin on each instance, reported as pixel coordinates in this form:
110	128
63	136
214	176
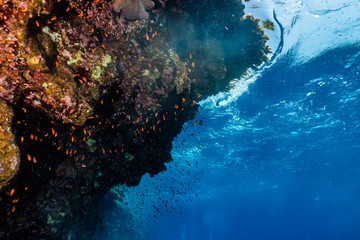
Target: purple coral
1	168
133	9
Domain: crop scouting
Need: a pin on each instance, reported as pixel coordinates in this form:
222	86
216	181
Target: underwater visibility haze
180	119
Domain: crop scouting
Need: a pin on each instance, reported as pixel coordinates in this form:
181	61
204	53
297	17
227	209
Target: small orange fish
147	37
12	192
37	24
81	14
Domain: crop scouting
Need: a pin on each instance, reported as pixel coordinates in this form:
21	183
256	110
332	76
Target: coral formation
89	100
133	9
119	4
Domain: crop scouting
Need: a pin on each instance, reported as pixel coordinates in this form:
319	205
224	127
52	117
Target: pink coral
133	9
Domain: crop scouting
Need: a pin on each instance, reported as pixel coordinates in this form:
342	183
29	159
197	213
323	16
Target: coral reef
89	100
133	9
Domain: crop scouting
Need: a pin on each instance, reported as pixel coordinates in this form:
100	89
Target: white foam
223	99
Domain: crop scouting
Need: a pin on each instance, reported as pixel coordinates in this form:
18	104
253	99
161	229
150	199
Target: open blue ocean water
277	157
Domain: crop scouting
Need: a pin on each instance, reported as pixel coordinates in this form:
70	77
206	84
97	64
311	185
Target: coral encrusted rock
133	9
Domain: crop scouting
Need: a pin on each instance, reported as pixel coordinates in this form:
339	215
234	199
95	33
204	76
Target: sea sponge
133	9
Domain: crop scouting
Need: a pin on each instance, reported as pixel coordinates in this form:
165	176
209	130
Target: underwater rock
89	100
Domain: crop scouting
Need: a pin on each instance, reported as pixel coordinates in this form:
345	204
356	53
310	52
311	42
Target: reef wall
92	94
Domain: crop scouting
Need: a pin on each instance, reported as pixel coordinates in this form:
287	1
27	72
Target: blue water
280	162
283	161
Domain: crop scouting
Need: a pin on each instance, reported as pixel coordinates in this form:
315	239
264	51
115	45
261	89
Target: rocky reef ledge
92	94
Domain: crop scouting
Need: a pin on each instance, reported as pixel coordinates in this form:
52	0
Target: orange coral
133	9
